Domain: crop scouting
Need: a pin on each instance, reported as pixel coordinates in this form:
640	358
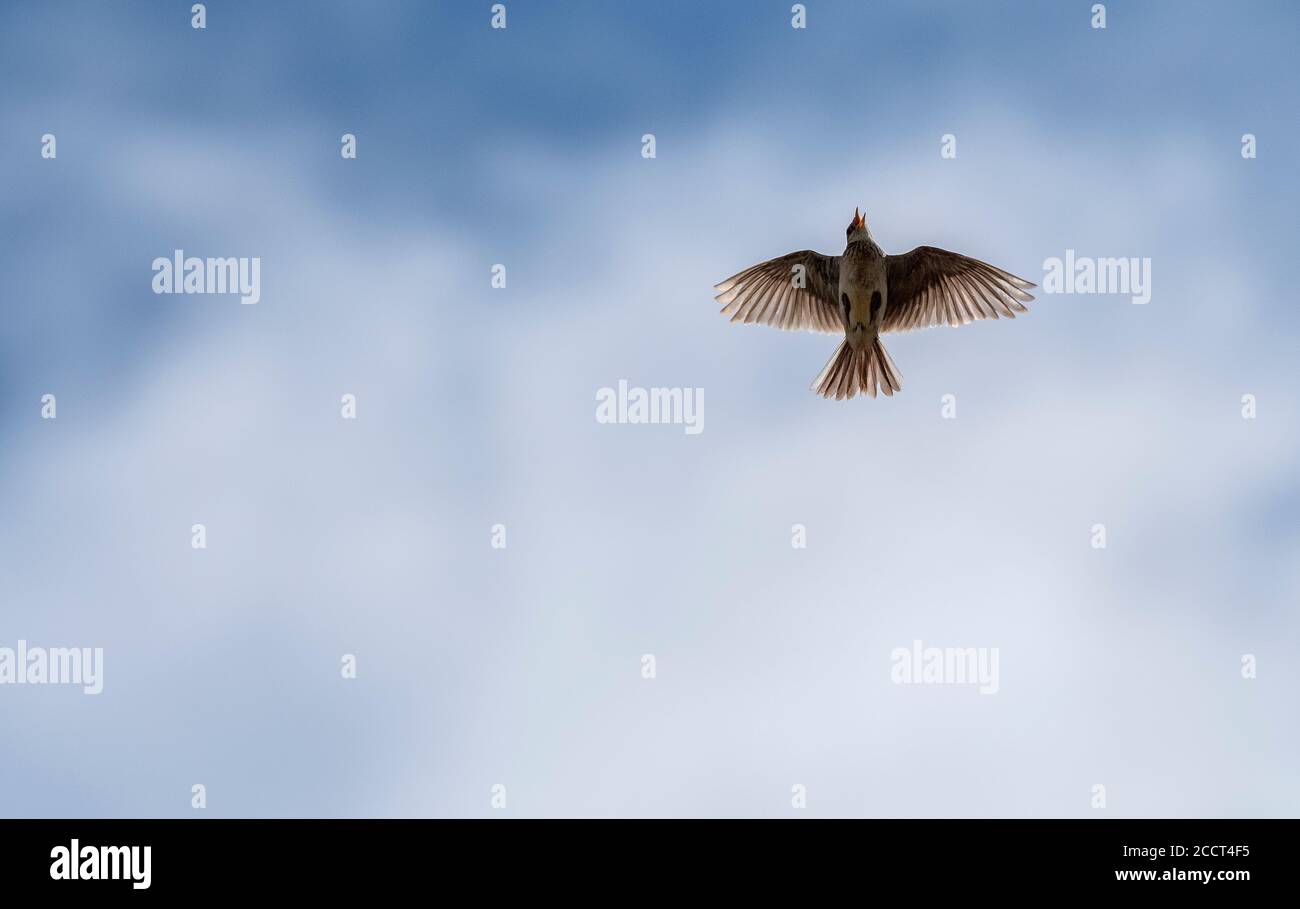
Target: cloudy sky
522	666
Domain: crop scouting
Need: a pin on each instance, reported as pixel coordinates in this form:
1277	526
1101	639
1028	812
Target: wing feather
767	293
930	286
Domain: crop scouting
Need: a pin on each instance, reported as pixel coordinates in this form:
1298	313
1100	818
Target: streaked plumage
864	293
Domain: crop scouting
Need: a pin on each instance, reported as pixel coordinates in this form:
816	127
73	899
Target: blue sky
522	666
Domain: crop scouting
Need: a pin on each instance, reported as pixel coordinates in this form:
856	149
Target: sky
512	681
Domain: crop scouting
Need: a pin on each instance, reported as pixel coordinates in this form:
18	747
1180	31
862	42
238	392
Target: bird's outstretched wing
794	292
930	286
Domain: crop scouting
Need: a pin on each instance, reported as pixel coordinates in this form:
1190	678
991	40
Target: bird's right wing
794	292
930	286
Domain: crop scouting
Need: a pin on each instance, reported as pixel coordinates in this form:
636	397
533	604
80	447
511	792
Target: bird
865	293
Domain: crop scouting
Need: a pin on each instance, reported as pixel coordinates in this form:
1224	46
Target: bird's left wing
930	286
794	292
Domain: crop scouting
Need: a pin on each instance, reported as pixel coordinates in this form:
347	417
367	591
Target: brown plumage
865	293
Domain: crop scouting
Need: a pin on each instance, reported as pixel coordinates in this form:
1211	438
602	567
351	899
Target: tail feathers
849	371
885	368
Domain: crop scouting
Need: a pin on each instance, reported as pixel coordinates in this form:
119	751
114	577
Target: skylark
865	293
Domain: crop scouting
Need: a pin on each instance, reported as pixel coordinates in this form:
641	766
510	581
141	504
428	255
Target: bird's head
858	227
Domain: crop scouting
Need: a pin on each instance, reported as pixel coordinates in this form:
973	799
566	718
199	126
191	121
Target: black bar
334	857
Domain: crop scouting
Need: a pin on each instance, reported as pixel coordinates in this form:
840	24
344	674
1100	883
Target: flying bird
865	293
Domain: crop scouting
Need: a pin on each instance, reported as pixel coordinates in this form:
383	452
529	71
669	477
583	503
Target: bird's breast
863	283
